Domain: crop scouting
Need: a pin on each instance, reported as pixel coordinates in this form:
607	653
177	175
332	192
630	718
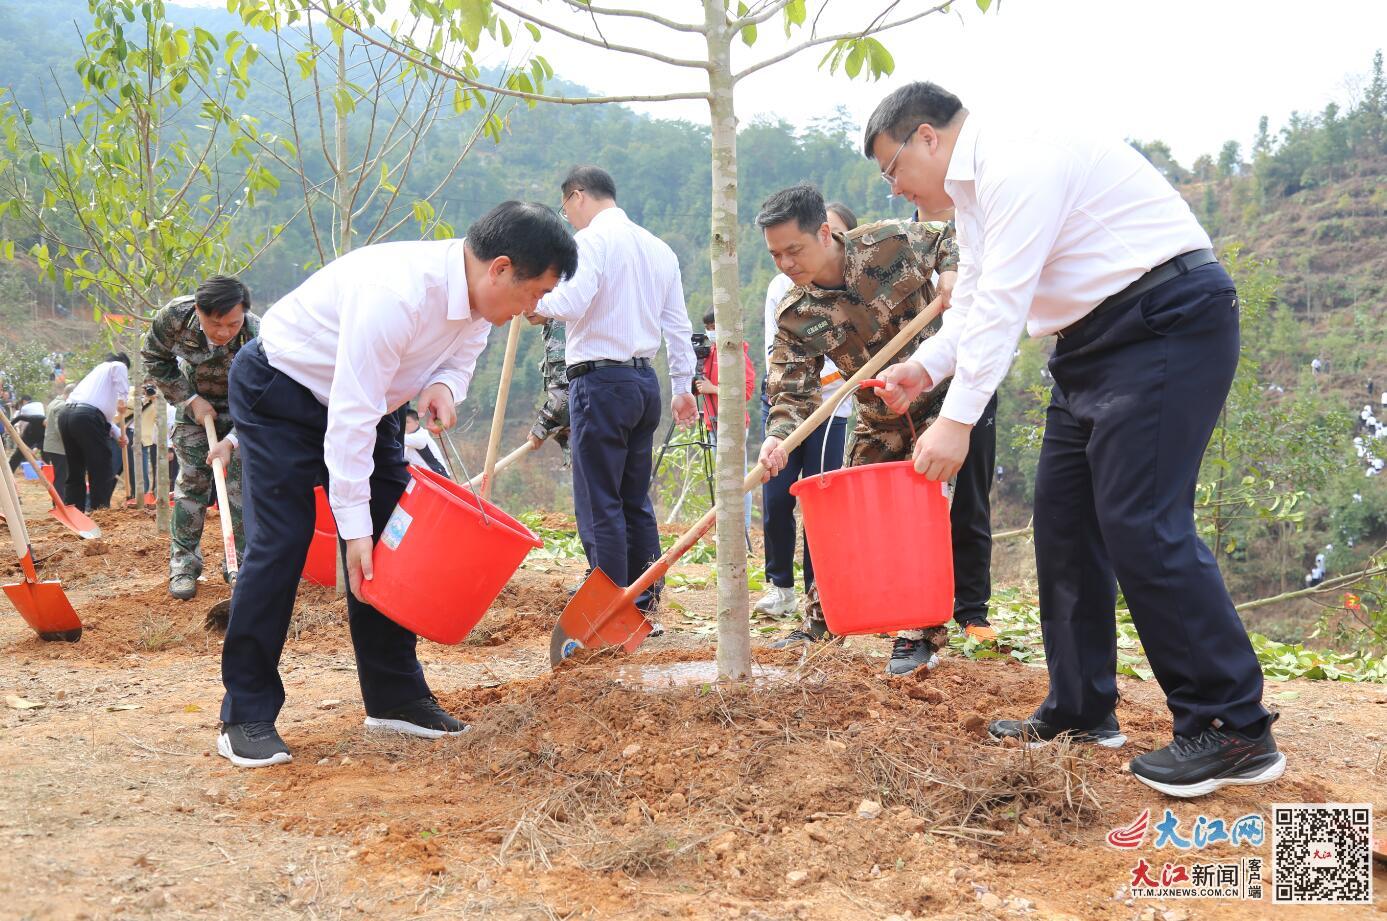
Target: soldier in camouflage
553	415
188	354
853	292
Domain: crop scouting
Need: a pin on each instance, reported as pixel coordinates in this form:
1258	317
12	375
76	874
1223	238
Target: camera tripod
702	440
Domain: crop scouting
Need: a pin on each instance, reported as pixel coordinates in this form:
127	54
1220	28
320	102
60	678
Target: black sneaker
908	655
1198	765
1036	732
252	745
423	718
816	632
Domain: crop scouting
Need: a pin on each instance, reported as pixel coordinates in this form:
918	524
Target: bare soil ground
593	792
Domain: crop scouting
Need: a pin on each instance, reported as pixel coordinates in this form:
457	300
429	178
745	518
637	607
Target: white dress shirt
103	387
775	293
1049	225
365	334
627	290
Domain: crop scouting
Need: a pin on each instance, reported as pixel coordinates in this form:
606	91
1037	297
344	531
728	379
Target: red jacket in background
710	371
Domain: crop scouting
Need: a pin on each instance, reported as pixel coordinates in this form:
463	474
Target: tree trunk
734	627
343	206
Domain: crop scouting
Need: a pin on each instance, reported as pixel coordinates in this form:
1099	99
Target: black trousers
778	506
86	435
614	413
34	428
280	427
1137	392
970	521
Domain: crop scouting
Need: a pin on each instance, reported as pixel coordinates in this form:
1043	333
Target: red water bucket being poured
879	535
321	564
445	555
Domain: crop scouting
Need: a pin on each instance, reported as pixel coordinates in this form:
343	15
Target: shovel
43	605
602	613
70	517
502	464
498	417
220	614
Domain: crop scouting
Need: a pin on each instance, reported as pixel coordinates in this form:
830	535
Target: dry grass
158	631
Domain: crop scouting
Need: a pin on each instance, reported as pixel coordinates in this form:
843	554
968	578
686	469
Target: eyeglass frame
564	204
886	175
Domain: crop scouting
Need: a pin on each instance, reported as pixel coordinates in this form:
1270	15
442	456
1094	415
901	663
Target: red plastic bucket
321	565
883	558
442	559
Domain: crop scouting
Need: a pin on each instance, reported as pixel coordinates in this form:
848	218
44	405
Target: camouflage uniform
887	268
183	364
553	415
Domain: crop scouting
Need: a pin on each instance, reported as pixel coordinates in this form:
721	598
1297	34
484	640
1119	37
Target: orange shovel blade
44	606
71	518
594	618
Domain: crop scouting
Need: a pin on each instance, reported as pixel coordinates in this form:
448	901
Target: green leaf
533	30
984	4
748	35
853	66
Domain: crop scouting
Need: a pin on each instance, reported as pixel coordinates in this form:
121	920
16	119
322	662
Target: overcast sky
1191	72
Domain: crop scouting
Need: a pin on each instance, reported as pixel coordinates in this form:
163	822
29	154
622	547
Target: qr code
1321	853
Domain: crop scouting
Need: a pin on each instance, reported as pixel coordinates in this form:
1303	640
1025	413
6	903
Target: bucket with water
883	557
445	555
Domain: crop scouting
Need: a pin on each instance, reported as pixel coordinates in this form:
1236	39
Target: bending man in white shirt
316	398
626	293
87	430
1084	238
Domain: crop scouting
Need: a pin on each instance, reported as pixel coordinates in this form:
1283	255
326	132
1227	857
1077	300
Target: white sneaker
777	602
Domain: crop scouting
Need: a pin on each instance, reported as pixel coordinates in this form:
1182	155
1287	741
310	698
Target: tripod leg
660	458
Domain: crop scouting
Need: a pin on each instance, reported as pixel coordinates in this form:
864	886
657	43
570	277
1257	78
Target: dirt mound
587	771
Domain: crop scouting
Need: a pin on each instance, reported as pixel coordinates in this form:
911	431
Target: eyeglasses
886	175
564	204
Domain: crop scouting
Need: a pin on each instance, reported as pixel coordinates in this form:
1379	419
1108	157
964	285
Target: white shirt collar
608	214
963	159
459	304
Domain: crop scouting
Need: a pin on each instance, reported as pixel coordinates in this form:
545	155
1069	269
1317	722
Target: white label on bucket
395	528
409	487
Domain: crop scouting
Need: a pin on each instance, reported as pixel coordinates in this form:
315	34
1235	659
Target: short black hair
907	108
592	179
710	318
799	203
412	413
531	234
219	295
844	214
120	357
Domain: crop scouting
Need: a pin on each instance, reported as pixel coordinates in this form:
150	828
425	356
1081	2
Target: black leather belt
586	367
1171	268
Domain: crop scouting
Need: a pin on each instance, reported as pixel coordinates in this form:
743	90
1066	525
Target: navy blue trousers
614	413
778	506
1137	393
970	521
280	427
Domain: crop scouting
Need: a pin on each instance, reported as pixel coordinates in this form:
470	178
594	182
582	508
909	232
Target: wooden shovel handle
223	503
503	463
14	515
498	417
793	440
33	461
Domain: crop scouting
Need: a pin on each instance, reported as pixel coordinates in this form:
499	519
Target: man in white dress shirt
87	431
626	293
1084	238
317	397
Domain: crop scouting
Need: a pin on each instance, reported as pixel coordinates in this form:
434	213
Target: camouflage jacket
887	267
183	363
553	415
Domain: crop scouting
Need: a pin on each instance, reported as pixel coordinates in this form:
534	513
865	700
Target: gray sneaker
183	587
255	744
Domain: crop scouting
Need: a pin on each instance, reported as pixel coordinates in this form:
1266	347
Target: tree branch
871	29
446	70
600	42
635	14
754	18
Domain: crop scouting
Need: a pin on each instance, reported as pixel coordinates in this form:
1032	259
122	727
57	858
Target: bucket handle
867	382
457	458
